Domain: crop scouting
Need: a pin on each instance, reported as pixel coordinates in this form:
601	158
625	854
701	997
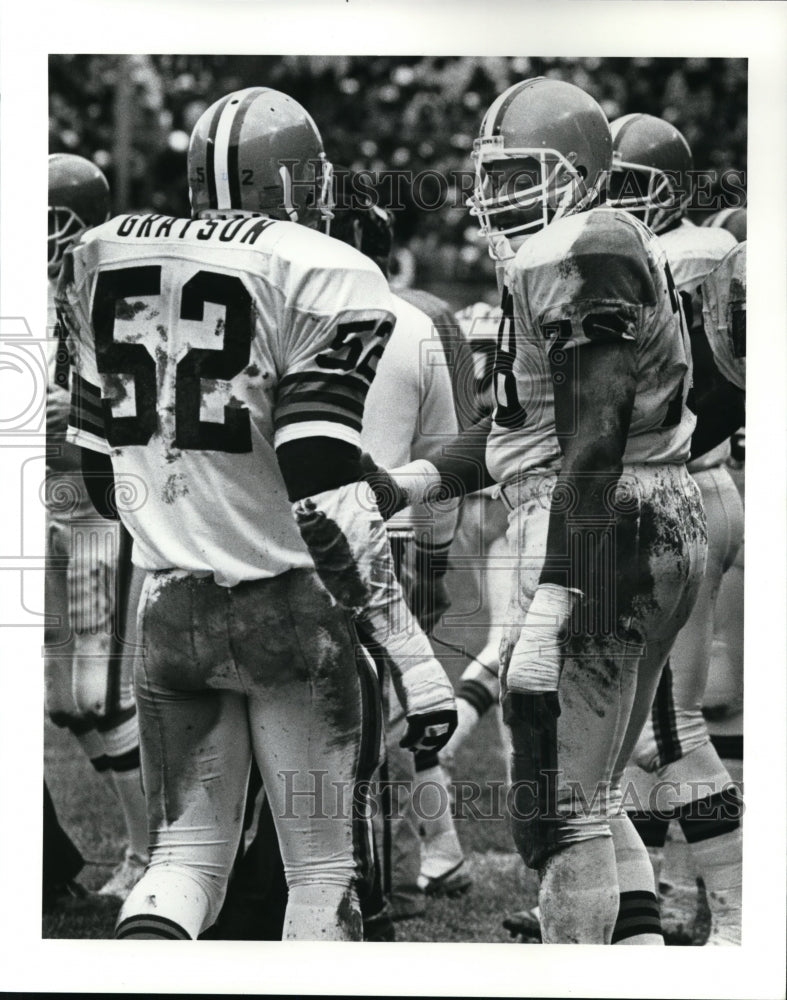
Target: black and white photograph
382	562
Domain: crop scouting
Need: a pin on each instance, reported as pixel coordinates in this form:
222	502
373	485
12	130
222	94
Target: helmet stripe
233	172
223	130
624	125
210	146
499	107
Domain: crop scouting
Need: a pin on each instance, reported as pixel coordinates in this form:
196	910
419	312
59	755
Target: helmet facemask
519	191
648	193
323	204
65	226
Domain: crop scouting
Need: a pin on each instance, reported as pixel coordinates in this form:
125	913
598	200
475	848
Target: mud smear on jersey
174	488
126	310
116	387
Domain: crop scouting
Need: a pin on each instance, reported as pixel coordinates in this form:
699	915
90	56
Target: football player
482	532
652	169
723	697
224	360
410	413
731	219
588	442
88	643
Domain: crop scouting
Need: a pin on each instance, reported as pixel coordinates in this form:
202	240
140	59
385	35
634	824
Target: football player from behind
724	309
652	170
589	439
410	413
225	360
89	685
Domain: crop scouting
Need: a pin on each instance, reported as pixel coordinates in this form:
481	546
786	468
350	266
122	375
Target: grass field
501	884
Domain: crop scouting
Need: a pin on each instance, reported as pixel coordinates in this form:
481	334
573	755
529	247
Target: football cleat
78	199
124	877
543	152
651	170
453	882
67	895
524	925
258	152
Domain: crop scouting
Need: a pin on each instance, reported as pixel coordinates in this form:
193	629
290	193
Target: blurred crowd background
133	115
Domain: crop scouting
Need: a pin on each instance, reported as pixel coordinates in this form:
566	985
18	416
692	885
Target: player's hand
429	732
534	664
427	697
389	496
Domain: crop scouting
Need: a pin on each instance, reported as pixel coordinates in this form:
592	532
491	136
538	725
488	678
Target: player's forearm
459	469
581	510
721	410
592	415
99	479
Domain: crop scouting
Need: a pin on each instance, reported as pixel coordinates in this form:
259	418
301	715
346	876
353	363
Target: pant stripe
118	623
664	725
371	732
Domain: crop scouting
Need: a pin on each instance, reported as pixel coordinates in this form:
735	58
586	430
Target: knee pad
535	823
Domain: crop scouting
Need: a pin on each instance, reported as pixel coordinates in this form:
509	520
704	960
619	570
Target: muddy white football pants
676	729
88	650
609	676
267	667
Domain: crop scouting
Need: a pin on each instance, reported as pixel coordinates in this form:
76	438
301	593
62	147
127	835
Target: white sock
322	912
638	920
719	862
579	894
167	899
128	786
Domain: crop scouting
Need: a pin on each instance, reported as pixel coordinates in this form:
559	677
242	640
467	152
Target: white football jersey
65	495
724	312
410	410
200	347
479	324
693	252
596	276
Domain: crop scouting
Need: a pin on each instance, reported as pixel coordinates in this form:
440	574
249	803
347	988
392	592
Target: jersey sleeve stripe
316	428
337	379
323	414
330	397
86	409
